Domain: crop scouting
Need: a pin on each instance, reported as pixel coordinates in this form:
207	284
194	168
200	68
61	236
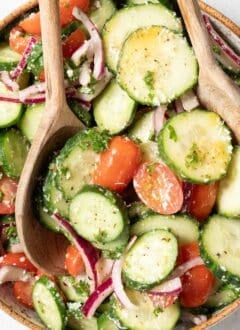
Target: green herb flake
149	81
192	157
172	133
1	196
216	49
150	168
94	139
157	311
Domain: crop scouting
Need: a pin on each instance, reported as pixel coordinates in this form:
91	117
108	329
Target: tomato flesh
118	164
19	260
72	43
8	190
200	199
73	261
31	24
197	282
158	187
23	292
18	39
66	8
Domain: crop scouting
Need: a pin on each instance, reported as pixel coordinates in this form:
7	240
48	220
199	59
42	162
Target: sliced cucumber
114	249
77	321
186	229
46	219
8	58
150	259
149	152
97	214
129	19
202	152
53	198
13	152
76	161
143	128
74	289
164	75
105	323
228	198
144	316
101	11
219	246
10	112
166	3
222	297
49	304
9	235
113	103
138	210
30	120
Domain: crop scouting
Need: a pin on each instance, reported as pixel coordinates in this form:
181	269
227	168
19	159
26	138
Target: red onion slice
159	117
89	254
97	297
14	98
12	274
85	74
182	269
117	279
189	101
178	107
84	50
8	82
104	269
195	319
172	287
227	50
23	62
32	90
96	42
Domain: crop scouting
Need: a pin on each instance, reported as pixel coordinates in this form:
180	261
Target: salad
146	194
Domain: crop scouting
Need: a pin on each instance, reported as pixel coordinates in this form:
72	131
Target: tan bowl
7	301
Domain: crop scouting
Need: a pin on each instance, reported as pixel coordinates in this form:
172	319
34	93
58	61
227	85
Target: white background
230	8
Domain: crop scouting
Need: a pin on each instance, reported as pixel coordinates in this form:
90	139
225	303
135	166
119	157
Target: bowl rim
28	5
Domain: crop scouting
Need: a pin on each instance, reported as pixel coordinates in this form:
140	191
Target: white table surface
230	8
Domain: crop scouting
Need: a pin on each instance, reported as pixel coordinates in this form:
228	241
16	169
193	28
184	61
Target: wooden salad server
44	248
216	91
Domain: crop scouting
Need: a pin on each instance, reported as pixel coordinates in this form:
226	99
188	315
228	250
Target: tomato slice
66	8
162	301
8	190
31	24
118	164
23	292
19	260
18	39
159	188
200	199
73	42
198	282
73	261
197	285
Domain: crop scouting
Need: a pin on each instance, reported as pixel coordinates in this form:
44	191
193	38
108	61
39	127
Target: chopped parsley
172	133
216	49
94	139
192	157
149	81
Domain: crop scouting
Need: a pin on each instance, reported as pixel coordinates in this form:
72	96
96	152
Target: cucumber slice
186	229
13	152
222	297
144	316
143	128
164	75
49	304
9	235
97	214
105	323
166	3
46	219
150	259
228	202
113	103
219	246
30	120
114	249
77	321
76	161
100	11
138	210
149	152
53	198
129	19
200	153
10	112
8	58
74	289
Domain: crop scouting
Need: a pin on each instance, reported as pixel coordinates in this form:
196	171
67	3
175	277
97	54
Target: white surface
230	8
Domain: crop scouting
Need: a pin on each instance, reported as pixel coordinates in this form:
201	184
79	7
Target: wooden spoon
216	91
44	248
